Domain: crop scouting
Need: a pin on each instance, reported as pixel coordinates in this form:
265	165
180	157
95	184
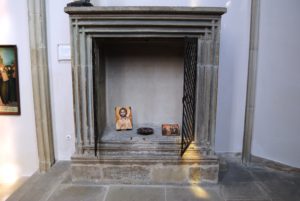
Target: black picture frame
9	81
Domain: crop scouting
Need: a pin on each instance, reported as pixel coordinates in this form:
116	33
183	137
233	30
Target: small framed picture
123	118
170	129
9	81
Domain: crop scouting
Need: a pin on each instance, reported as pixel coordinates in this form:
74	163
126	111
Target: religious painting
123	118
170	129
9	82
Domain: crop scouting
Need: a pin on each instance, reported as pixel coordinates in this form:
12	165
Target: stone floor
6	189
237	183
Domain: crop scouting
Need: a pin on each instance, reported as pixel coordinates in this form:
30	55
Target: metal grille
189	92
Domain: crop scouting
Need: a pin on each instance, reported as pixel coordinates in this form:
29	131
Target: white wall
18	142
277	113
58	32
232	77
18	149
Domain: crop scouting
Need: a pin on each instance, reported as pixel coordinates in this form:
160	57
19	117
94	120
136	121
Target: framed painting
123	118
9	81
170	129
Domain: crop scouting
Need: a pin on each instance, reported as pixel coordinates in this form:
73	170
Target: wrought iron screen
189	93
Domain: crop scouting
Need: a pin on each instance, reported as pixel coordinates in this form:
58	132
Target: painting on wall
9	81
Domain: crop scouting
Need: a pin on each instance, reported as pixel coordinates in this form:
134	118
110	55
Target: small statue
79	3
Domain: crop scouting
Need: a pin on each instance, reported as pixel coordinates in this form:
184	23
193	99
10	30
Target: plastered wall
270	118
276	120
277	114
232	77
18	150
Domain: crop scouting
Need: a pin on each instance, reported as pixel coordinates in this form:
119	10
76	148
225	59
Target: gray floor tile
40	186
296	180
282	189
135	193
279	185
7	189
250	200
243	191
237	183
78	193
262	174
192	193
235	172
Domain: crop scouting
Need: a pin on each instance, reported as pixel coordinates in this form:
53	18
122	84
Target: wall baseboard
257	161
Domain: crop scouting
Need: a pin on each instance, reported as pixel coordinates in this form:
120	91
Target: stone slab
192	193
278	185
126	174
80	193
251	200
171	174
234	172
135	193
243	190
200	174
86	173
145	10
130	136
154	174
154	165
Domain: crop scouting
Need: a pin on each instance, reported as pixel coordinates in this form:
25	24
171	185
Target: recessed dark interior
146	74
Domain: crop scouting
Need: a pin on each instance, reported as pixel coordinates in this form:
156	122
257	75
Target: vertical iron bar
189	92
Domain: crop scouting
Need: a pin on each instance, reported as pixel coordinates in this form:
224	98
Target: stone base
145	174
147	168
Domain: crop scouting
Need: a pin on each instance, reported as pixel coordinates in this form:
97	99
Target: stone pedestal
145	166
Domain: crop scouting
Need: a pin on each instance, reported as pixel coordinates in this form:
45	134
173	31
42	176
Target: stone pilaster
40	82
251	83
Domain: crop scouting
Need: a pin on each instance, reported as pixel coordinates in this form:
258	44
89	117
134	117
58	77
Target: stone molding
40	83
88	23
251	82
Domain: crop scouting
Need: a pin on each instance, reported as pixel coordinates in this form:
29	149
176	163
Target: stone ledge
145	159
145	10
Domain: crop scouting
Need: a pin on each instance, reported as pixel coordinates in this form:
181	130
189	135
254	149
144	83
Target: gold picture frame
9	81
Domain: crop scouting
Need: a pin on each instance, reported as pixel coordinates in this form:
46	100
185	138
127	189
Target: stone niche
161	61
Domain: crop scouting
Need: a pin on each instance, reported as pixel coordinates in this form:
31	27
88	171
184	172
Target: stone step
159	147
144	156
145	168
148	152
145	163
